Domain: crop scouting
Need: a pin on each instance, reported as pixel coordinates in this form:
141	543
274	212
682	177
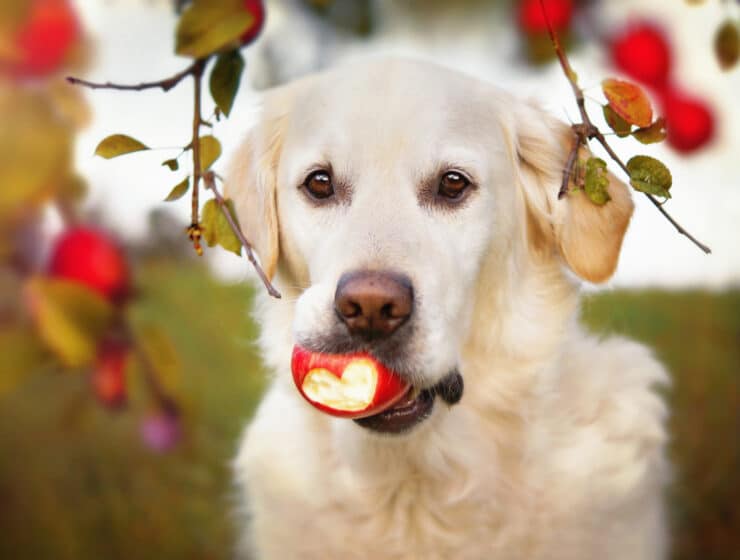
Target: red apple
257	9
346	385
532	19
45	38
91	257
109	375
642	52
689	121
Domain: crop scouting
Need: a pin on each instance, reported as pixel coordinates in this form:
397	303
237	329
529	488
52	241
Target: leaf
628	101
216	228
207	26
650	134
225	78
210	150
118	145
596	182
172	164
650	176
179	190
70	318
160	354
616	123
727	44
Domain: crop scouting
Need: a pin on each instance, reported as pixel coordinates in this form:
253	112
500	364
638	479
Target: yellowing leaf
179	190
225	78
172	164
216	228
628	101
650	175
208	26
650	134
620	126
70	318
596	181
118	145
210	150
727	44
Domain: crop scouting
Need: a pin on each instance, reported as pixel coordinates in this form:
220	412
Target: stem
195	143
586	131
166	84
209	178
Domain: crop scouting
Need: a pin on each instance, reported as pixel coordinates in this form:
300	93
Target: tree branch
194	231
586	130
166	84
209	178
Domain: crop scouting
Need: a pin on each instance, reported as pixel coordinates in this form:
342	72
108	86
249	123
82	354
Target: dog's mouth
415	406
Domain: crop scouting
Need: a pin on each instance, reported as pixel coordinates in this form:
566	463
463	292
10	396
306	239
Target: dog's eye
452	185
319	184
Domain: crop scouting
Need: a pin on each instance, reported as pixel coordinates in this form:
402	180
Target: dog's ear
587	236
252	179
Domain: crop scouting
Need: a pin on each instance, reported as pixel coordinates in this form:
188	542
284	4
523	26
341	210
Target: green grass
75	483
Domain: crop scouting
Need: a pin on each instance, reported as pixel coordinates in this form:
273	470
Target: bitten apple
346	385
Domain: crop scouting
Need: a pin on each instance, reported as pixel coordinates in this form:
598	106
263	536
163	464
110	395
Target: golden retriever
444	188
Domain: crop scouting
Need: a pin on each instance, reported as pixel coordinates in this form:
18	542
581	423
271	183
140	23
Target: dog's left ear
587	236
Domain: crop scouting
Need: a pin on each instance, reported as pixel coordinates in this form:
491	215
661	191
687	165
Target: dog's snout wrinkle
373	304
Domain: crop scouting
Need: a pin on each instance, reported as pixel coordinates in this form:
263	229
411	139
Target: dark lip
403	417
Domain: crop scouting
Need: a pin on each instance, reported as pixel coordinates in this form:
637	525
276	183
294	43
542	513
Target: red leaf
628	101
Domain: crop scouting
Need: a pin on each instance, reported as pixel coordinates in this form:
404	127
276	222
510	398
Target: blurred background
127	363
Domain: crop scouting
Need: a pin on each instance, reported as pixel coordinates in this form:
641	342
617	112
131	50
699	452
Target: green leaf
596	182
210	150
70	318
216	228
727	44
620	126
650	134
179	190
208	26
160	354
172	164
629	101
118	145
649	175
225	78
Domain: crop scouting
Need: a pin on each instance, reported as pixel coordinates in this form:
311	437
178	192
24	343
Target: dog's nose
373	304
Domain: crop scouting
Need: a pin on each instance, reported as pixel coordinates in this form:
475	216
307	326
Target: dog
438	194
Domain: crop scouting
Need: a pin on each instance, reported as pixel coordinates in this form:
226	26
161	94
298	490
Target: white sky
134	43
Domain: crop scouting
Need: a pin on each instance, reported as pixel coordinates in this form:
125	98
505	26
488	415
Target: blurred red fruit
45	39
91	257
532	19
257	9
689	121
109	375
642	52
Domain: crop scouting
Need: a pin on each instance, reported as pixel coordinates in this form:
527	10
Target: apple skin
389	389
532	19
690	122
257	9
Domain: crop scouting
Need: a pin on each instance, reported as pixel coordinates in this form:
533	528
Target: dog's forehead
372	101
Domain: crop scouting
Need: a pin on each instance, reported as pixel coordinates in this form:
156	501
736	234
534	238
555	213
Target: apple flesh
346	385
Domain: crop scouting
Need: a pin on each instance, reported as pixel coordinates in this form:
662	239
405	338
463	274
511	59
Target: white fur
557	447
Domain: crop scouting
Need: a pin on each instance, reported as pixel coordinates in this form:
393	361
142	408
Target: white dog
439	192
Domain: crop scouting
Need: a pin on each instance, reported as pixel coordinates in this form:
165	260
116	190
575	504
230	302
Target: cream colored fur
556	450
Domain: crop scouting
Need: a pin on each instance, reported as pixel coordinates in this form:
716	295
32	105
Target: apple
44	40
689	121
257	9
109	375
642	52
532	19
91	257
346	385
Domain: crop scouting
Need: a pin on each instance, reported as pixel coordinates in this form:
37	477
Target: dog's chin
415	407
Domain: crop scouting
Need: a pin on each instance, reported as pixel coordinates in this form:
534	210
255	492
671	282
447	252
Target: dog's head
376	194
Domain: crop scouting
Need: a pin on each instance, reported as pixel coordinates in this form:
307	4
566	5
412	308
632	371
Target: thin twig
209	178
586	131
195	144
166	84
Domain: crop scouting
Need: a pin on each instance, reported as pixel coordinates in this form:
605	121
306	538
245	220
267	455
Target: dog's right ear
252	178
